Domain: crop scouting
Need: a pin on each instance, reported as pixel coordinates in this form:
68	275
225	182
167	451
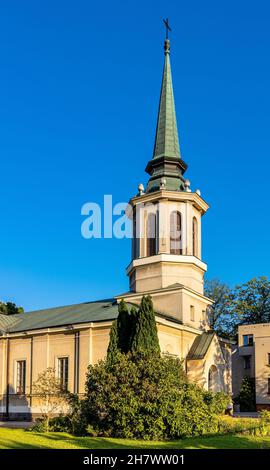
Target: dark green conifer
145	337
123	327
132	322
113	348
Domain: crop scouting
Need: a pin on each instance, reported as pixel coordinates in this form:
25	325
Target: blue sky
79	87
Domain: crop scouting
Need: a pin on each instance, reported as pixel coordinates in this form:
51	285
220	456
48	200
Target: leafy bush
38	426
217	402
142	396
246	398
265	421
50	393
90	431
249	426
58	424
73	422
229	425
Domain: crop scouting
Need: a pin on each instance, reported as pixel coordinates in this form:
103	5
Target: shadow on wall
261	390
215	377
15	406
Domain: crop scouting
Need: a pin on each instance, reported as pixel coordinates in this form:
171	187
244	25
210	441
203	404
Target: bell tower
167	215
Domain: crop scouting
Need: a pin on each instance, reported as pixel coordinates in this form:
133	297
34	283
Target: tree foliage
134	331
52	399
145	337
246	398
124	327
221	316
138	393
113	348
252	301
10	308
146	396
248	303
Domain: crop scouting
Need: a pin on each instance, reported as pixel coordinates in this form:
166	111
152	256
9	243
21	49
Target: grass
20	439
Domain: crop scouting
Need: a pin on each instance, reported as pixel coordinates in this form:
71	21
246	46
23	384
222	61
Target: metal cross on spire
167	26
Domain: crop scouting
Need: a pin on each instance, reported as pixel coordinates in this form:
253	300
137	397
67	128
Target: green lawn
20	439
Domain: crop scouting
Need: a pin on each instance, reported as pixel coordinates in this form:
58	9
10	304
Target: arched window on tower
195	237
151	234
176	233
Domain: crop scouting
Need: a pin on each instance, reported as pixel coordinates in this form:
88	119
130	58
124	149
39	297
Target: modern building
251	358
166	263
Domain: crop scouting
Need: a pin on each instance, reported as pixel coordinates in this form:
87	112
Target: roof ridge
70	305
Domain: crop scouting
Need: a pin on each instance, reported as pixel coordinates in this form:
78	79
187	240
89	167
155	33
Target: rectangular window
20	377
63	372
268	386
192	313
247	340
269	359
247	362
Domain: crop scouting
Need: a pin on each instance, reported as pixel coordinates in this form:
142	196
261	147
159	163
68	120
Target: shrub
217	402
146	396
90	431
49	391
229	425
265	416
60	424
38	426
73	422
57	424
249	426
246	397
265	422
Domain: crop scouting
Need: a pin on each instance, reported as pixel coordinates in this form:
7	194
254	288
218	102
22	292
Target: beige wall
164	270
175	341
176	303
217	357
260	369
100	341
48	346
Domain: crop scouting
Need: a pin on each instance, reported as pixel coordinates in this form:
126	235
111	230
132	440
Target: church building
166	263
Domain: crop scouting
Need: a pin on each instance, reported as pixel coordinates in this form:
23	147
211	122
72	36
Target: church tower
166	252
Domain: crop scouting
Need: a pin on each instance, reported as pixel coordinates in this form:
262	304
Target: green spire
166	168
166	142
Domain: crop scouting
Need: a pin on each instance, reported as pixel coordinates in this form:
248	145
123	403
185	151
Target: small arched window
151	234
176	233
195	237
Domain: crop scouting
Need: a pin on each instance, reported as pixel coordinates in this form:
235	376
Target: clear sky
80	84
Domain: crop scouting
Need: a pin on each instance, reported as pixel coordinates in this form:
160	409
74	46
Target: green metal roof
166	163
200	345
166	141
102	310
7	320
60	316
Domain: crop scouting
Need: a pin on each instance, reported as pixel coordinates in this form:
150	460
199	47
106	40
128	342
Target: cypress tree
120	334
145	337
113	348
123	327
133	321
